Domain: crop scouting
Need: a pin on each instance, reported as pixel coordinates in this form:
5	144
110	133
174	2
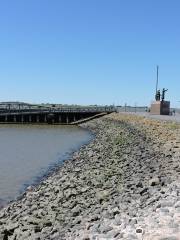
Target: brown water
27	153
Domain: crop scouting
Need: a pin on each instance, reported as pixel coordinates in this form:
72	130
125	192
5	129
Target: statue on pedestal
160	106
163	94
158	95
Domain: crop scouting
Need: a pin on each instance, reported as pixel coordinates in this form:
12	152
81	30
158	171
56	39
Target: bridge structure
15	112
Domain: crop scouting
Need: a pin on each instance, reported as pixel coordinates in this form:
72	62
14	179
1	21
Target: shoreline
111	188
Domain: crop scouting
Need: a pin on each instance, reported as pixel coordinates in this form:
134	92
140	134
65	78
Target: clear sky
89	51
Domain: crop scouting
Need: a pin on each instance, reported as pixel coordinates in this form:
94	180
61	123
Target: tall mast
157	80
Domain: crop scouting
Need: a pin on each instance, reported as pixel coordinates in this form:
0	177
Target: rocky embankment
123	185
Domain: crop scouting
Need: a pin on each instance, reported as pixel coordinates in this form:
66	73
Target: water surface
29	152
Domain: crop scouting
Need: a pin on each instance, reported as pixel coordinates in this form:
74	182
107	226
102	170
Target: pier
42	114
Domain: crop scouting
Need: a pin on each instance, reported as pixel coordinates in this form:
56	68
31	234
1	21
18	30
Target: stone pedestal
160	108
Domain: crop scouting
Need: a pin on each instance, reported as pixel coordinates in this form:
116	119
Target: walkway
175	118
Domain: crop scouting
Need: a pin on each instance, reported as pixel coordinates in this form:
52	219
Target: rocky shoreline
123	185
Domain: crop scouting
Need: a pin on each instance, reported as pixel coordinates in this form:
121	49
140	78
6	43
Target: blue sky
89	51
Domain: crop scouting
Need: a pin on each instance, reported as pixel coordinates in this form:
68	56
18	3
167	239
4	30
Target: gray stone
144	191
117	220
169	238
102	195
177	204
95	227
55	236
139	230
76	211
167	203
154	181
173	225
12	226
105	228
164	210
133	221
139	185
112	234
131	236
37	229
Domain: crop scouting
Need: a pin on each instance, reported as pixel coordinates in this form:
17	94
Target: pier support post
22	118
6	118
14	118
37	118
74	119
67	119
59	118
30	118
45	118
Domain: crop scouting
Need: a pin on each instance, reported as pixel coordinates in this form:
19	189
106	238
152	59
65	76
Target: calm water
29	152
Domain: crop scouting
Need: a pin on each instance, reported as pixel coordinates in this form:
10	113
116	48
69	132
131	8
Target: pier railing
57	110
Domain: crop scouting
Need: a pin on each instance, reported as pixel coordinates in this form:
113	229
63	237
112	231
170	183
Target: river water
28	153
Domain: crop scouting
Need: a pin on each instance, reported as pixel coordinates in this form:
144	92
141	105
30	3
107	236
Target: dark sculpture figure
163	94
158	95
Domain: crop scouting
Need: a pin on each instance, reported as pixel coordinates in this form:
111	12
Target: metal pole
157	80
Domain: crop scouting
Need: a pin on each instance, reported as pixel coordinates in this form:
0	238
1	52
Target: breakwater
123	185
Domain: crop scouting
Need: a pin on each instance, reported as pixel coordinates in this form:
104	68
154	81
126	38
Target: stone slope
123	185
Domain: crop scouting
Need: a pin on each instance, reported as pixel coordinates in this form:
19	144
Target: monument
160	106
